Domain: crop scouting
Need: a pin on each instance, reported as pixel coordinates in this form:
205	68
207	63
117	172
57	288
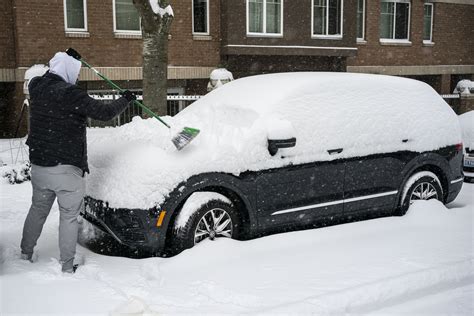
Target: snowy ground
421	263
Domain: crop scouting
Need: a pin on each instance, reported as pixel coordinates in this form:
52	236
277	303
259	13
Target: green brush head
184	137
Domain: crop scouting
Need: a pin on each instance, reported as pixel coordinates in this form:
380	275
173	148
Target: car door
371	183
299	194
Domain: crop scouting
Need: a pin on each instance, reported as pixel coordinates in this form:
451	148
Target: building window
201	17
395	20
327	18
428	23
126	18
264	17
360	20
75	17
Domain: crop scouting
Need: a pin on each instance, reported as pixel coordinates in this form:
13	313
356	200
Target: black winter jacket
58	120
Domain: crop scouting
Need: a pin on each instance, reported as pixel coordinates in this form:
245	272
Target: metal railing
175	104
451	96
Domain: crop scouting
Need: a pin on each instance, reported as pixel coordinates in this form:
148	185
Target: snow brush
180	140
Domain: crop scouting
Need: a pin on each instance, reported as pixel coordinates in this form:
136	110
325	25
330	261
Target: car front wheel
215	219
423	185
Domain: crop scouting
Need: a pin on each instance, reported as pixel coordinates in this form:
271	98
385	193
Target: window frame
430	41
326	36
397	40
125	32
362	39
208	25
264	33
75	30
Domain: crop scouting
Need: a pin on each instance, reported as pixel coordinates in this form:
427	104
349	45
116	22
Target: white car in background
467	126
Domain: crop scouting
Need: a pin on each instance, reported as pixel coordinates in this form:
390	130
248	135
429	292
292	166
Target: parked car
467	126
276	152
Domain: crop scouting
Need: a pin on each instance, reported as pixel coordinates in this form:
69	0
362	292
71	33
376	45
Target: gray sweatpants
66	182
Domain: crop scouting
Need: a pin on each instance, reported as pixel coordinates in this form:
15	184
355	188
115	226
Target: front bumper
134	228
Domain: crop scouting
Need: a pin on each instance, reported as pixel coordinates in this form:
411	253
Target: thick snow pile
418	264
464	86
136	166
194	202
218	78
467	126
16	173
221	74
157	9
36	70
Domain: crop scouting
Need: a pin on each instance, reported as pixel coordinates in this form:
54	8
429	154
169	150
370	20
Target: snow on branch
155	6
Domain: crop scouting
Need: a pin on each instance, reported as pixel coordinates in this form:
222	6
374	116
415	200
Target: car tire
423	185
469	179
201	225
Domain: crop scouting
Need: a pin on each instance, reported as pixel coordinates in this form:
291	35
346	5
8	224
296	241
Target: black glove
129	95
73	53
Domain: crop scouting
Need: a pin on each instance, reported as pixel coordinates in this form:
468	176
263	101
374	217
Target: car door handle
335	151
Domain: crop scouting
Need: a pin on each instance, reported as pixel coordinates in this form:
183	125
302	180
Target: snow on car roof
136	166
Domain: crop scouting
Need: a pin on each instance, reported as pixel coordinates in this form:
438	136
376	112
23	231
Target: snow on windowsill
128	35
395	42
361	41
202	37
428	43
77	34
327	37
264	35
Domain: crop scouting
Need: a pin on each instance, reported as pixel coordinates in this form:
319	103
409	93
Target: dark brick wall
296	25
11	101
453	34
7	39
242	66
40	33
184	50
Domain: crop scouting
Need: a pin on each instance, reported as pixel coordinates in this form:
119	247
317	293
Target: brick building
430	40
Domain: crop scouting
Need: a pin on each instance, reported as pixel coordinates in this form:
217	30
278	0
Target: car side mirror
275	144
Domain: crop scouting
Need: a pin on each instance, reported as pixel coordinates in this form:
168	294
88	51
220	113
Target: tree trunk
155	72
155	31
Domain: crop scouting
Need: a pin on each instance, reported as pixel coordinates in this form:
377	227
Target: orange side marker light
161	218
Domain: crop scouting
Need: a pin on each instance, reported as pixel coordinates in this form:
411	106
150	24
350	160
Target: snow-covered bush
464	86
17	173
218	78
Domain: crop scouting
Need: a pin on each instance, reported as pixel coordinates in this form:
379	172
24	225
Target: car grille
124	223
132	235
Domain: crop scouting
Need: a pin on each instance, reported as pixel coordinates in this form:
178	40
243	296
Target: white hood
65	66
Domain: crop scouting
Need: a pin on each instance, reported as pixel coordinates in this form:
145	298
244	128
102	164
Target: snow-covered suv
276	152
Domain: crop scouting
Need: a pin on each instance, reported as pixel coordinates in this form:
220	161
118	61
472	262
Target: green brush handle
110	82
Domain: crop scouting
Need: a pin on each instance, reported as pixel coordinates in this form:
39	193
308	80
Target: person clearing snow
58	151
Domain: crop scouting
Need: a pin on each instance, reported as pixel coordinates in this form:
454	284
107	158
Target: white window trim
264	33
208	22
125	32
398	40
362	39
67	29
319	36
430	41
395	41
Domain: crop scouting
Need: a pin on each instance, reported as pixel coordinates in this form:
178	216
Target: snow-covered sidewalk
421	263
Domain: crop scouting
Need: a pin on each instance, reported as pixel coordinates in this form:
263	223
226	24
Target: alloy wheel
424	191
215	223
